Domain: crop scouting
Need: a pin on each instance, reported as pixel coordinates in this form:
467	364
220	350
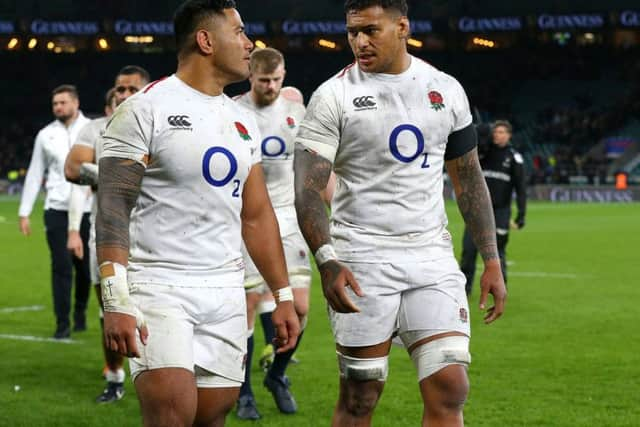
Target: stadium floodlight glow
12	43
260	44
415	43
33	42
483	42
103	43
138	39
589	36
327	43
58	49
51	45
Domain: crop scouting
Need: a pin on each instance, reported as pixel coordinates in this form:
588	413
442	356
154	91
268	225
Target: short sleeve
461	111
88	135
320	129
256	154
128	133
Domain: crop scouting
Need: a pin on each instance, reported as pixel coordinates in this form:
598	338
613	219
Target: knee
361	383
442	371
452	388
360	399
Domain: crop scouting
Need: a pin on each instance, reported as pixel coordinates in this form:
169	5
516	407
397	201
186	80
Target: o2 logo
273	146
393	145
233	169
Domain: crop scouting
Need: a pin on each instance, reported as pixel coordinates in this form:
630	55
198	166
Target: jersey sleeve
461	111
320	129
128	133
256	140
33	180
87	136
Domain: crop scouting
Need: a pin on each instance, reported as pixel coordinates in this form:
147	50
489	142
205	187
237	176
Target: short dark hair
265	60
108	97
502	123
128	70
66	88
399	5
191	13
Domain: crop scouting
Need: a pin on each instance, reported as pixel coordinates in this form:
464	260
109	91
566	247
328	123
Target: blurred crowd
572	128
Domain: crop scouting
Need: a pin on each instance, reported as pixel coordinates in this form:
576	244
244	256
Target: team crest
242	131
437	102
291	122
464	317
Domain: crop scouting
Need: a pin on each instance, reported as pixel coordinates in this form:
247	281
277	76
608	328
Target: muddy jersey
386	136
198	151
278	125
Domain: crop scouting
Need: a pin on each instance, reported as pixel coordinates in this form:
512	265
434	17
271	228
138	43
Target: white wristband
283	294
115	289
325	253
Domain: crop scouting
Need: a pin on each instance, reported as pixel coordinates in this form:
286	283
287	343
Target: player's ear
404	27
205	41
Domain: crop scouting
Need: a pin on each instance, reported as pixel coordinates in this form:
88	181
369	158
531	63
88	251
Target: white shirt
386	136
185	228
52	145
278	123
89	136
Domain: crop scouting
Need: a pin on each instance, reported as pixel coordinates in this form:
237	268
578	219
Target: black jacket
503	169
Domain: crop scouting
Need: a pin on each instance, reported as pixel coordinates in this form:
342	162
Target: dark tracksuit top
503	169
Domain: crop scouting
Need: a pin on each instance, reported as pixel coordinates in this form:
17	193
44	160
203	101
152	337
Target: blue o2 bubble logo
393	145
206	166
281	146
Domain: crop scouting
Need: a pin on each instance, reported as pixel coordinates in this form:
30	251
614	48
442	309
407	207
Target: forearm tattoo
88	174
475	206
119	186
311	177
329	271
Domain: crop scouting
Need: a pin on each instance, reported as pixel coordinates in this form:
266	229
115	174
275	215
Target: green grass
564	354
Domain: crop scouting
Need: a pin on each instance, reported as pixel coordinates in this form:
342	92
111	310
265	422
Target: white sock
115	377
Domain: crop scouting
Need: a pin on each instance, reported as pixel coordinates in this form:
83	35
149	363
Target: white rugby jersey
386	135
198	149
278	124
90	136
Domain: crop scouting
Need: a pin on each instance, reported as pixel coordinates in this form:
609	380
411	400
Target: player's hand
492	283
520	222
286	325
74	244
120	333
335	278
25	225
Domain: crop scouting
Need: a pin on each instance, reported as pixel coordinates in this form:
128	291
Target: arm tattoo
474	203
88	174
330	271
119	185
311	176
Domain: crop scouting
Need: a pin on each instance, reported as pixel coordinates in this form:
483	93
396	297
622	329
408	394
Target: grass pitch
564	354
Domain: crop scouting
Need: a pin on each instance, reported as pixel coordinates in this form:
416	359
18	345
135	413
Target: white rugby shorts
400	297
201	329
297	258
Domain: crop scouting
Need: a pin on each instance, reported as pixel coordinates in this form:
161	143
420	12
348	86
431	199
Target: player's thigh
168	396
376	322
220	335
436	302
170	341
214	403
301	301
253	299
